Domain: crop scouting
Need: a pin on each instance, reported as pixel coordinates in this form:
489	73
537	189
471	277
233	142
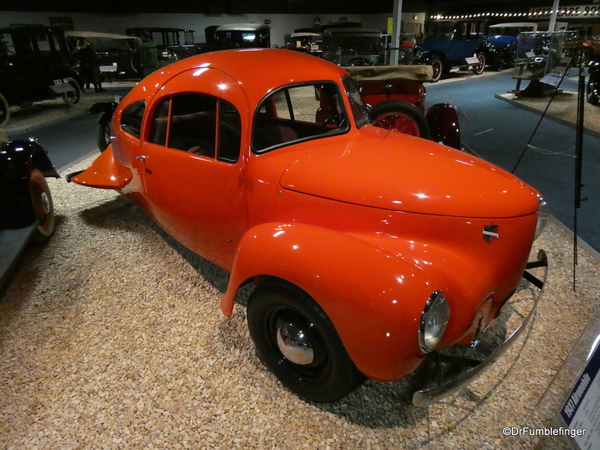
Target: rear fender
106	172
373	298
444	125
17	160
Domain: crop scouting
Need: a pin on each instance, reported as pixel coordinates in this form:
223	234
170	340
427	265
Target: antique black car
35	66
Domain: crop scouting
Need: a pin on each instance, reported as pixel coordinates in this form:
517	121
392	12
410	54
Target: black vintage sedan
34	66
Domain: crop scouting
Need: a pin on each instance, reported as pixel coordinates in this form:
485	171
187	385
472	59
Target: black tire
500	61
360	62
73	97
4	111
400	116
592	88
103	131
322	370
437	64
43	207
479	68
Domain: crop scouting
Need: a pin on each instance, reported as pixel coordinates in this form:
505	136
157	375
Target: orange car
369	249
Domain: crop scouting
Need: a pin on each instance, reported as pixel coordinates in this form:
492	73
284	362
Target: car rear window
131	119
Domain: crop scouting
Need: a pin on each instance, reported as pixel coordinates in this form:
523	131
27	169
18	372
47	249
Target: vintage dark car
26	208
117	53
369	249
242	35
352	46
453	44
590	47
173	44
34	66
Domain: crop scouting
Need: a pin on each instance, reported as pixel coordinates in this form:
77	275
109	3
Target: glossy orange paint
368	222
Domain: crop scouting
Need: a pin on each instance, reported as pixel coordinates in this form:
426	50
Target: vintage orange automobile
370	249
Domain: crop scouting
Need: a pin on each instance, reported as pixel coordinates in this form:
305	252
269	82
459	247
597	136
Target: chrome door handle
141	157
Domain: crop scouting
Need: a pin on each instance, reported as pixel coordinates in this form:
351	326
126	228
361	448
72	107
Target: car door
191	163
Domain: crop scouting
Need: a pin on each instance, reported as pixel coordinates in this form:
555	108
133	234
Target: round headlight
434	320
543	217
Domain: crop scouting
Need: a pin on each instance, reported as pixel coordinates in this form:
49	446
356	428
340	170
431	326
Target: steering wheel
360	62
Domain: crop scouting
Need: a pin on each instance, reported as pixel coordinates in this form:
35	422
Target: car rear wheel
73	97
400	116
479	67
4	111
299	344
43	208
438	68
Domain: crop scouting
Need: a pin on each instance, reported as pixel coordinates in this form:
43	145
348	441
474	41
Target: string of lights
593	12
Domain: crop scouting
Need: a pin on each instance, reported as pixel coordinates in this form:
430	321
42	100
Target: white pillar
553	15
397	20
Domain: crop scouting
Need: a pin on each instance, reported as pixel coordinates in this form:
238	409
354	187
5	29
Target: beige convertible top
415	73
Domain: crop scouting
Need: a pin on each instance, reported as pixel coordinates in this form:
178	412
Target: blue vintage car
450	44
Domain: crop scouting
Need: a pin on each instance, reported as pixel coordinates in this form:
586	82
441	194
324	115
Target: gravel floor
111	336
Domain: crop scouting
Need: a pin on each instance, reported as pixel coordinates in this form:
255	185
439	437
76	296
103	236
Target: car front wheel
299	344
73	97
479	67
43	208
400	116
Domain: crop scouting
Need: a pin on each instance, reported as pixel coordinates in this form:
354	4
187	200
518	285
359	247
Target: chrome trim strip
429	396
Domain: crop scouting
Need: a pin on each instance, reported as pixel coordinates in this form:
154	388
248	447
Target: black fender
17	160
104	107
593	87
444	125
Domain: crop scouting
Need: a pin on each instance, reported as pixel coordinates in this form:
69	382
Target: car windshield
357	103
299	113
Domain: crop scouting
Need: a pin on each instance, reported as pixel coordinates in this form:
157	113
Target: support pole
397	20
553	15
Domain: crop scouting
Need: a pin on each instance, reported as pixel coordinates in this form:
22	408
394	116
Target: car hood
403	173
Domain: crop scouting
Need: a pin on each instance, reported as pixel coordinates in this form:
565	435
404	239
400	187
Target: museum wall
281	24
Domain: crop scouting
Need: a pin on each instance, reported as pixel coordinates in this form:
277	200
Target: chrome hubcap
293	343
45	202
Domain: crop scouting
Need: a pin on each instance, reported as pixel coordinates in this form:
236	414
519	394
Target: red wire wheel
400	116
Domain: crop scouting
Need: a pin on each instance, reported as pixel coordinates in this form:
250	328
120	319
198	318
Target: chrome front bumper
427	396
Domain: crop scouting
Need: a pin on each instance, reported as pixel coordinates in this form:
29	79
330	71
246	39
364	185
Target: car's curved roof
258	71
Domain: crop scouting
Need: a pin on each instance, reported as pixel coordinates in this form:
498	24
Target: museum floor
111	336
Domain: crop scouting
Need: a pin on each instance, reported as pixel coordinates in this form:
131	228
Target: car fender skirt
373	298
106	172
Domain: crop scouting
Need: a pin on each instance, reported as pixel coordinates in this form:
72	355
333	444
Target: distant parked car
590	47
242	35
352	46
173	44
35	65
452	44
503	40
117	53
305	41
26	208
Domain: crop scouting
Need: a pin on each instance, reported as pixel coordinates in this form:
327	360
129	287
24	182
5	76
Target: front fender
17	159
444	125
373	298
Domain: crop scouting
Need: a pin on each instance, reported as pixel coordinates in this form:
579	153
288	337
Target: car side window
131	119
199	124
297	113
